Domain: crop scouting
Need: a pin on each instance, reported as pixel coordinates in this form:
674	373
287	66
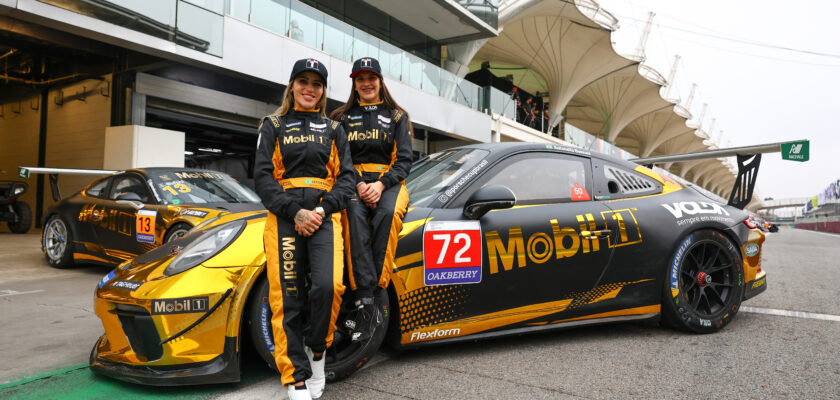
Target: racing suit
380	145
302	162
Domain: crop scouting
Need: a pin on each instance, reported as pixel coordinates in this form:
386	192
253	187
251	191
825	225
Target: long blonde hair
289	101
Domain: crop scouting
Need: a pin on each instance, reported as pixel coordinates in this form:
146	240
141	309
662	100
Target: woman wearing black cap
304	175
379	134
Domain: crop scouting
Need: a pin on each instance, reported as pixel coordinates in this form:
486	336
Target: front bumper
222	369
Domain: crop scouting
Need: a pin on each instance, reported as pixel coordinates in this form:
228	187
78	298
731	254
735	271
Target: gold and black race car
499	239
128	213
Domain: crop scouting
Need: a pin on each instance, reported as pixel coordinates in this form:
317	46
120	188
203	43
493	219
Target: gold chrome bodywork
235	269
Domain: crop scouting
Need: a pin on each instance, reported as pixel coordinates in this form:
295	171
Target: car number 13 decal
451	252
146	226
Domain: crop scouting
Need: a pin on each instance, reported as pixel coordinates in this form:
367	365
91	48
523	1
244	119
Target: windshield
197	187
442	172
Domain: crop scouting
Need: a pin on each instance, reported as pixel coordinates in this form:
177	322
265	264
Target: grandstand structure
563	48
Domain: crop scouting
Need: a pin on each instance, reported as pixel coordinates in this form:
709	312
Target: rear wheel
705	283
343	358
24	217
57	243
176	231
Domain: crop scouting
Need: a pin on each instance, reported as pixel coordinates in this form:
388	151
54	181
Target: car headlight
19	190
208	245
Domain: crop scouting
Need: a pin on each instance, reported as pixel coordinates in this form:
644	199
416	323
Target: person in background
304	175
379	133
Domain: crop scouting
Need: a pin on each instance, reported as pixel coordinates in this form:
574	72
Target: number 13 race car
128	213
499	239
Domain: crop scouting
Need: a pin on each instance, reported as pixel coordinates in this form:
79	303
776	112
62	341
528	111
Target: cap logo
312	63
366	62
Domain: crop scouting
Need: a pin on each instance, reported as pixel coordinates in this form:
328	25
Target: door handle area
603	233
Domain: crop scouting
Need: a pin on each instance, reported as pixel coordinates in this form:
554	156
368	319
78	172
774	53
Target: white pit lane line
7	292
787	313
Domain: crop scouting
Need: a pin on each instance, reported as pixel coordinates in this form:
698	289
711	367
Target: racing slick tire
24	214
344	357
176	231
704	283
57	242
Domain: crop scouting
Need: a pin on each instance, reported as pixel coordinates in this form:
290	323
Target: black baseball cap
309	64
366	64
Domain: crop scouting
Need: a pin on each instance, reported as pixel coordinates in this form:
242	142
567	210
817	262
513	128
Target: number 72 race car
499	239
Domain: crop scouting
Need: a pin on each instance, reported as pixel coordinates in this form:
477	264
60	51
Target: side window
619	182
98	189
544	178
129	184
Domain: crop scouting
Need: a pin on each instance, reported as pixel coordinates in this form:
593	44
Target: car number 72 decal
451	252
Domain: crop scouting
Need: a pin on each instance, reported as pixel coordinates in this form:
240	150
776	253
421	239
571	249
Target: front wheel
704	284
177	231
344	357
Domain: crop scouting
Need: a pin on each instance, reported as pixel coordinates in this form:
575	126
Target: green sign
23	172
795	151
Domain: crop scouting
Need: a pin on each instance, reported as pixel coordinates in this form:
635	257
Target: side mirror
129	196
492	197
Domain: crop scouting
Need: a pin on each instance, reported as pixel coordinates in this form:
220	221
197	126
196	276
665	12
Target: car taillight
749	223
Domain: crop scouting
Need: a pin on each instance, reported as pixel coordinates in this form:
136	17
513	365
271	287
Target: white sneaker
318	380
298	394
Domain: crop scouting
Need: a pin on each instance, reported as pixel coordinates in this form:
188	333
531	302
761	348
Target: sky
754	64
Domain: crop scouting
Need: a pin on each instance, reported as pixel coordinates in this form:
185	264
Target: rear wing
53	173
748	157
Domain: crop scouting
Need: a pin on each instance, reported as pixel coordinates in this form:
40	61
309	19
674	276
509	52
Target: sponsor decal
690	212
681	208
353	124
107	278
354	117
127	285
312	63
184	305
371	108
435	334
195	175
193	213
383	119
759	283
176	201
299	123
674	274
559	241
317	126
289	267
265	326
706	322
751	249
466	178
579	193
146	226
452	252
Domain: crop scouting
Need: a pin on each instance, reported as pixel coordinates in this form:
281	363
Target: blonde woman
304	174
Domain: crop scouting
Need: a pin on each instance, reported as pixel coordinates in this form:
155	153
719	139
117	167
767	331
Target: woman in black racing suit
379	135
304	175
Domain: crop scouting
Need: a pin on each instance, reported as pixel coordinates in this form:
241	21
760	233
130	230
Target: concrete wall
136	146
19	143
77	116
76	132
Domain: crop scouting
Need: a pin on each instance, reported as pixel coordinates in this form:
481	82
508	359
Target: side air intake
630	183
